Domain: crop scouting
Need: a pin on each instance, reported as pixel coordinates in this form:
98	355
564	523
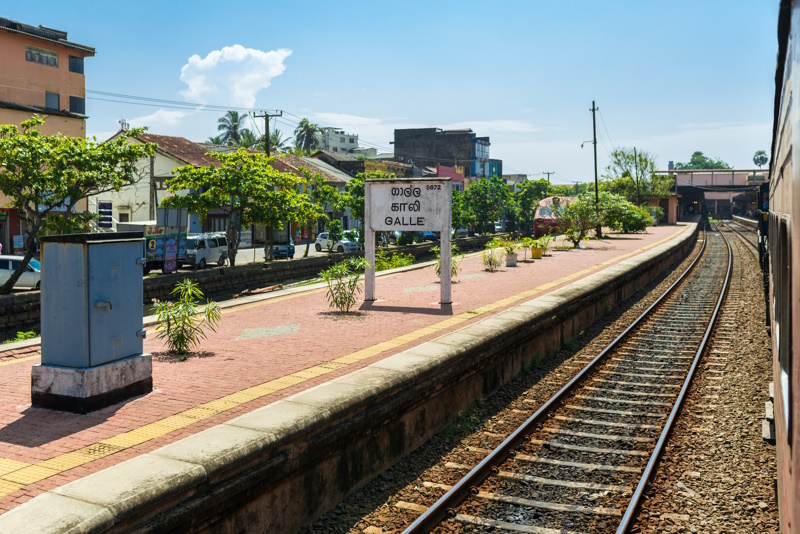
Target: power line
606	129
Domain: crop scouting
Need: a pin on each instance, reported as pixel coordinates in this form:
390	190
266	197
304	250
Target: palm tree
231	125
305	135
216	140
247	139
277	143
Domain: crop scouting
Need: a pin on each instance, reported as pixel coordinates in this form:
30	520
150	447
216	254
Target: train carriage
782	228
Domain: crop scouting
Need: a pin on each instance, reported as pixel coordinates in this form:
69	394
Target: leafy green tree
232	126
312	209
216	140
244	186
617	213
305	135
760	158
699	161
487	199
461	215
621	175
47	175
577	217
353	198
527	197
334	228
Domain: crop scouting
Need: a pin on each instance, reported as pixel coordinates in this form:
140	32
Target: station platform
269	347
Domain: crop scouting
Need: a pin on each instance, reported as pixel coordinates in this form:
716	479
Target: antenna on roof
123	125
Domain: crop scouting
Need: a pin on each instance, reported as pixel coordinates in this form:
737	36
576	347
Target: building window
77	105
51	100
352	140
341	139
76	64
43	57
124	217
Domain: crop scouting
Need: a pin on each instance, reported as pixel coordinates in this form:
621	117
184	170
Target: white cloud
233	75
162	117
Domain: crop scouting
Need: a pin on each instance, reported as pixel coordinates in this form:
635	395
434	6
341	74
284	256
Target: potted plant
511	253
536	249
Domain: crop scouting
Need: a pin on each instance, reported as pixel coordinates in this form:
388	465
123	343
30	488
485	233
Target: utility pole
576	187
266	117
153	190
599	228
548	175
636	167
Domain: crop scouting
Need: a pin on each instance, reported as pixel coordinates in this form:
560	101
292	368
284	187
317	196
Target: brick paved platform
267	348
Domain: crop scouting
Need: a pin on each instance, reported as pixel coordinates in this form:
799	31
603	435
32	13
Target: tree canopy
305	135
245	187
47	175
527	200
488	198
760	158
699	161
620	176
232	127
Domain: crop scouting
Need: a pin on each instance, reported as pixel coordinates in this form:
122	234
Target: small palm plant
527	243
493	256
343	283
455	261
180	322
545	241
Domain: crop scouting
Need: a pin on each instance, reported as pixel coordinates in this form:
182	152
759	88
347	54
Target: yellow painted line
7	488
15	475
23	359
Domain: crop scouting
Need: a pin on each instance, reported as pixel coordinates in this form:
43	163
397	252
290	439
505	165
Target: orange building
41	72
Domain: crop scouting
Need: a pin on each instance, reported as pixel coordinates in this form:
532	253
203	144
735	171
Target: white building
336	140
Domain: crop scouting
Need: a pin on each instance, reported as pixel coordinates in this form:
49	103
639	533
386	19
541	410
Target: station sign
104	210
408	205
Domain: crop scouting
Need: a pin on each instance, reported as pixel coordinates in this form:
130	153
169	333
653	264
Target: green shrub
343	283
22	336
544	242
180	322
494	254
384	261
527	243
406	238
334	228
455	261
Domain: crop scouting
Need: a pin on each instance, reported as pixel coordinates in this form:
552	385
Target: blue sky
669	77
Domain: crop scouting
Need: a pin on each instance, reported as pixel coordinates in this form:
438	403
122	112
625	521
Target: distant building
425	147
456	174
347	162
514	180
336	140
365	151
42	73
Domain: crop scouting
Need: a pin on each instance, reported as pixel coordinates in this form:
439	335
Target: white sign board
411	206
408	205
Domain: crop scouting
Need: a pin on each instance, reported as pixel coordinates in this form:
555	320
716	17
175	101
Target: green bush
22	336
455	261
384	261
343	283
406	238
494	254
180	322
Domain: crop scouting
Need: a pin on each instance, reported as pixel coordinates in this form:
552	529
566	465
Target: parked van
206	249
31	277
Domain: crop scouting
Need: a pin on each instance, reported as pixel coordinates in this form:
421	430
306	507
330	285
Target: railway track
581	462
746	235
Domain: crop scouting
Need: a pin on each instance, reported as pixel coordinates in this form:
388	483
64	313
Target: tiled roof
180	148
292	163
338	156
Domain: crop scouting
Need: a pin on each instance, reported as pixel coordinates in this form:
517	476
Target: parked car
283	250
430	236
343	245
461	232
205	249
31	277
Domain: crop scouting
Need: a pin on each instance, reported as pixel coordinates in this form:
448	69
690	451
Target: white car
31	277
343	245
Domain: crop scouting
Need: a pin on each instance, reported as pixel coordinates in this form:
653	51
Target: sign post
408	205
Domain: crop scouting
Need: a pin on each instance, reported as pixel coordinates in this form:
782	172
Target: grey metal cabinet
91	298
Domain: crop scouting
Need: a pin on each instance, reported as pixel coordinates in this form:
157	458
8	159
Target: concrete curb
281	466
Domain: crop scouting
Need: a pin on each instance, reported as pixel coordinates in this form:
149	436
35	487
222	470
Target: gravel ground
718	474
373	508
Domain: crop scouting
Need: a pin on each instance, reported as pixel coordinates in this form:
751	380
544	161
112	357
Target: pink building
455	173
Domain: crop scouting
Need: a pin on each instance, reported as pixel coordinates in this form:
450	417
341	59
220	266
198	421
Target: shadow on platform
39	426
443	309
